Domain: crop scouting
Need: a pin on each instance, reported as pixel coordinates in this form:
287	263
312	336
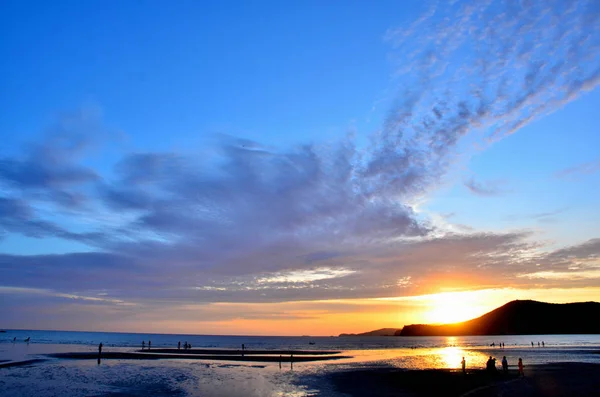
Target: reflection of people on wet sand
521	373
463	363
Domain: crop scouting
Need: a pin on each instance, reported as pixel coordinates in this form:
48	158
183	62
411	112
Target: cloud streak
579	170
486	189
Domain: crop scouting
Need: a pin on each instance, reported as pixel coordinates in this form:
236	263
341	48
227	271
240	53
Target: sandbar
225	357
239	352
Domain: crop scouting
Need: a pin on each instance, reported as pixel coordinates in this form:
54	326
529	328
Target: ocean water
121	339
59	377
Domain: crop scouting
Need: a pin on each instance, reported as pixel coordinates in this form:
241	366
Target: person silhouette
543	344
179	345
149	344
538	344
504	365
463	363
143	344
521	373
532	344
100	349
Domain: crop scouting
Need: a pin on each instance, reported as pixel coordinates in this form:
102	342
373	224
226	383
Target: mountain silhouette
520	317
377	332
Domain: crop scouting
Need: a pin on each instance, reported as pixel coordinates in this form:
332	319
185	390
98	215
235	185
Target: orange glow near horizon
331	317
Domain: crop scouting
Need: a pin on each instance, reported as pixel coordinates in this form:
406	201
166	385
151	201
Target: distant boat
311	343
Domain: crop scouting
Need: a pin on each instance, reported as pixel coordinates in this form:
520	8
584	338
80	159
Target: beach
278	366
172	378
549	380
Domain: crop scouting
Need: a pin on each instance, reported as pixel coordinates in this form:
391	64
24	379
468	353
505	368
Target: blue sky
289	152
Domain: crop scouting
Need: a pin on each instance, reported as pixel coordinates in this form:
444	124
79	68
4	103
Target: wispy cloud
579	170
485	188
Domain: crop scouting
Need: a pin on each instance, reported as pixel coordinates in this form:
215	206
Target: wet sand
8	364
550	380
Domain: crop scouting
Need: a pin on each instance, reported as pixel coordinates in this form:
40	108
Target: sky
292	168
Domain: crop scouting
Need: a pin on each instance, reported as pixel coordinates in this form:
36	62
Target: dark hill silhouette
377	332
520	317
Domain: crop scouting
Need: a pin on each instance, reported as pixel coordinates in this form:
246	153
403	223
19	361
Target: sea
36	374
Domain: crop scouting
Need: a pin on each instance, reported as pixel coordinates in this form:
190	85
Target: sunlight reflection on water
447	357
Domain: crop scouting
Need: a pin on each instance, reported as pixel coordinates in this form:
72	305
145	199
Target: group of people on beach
543	344
144	344
186	346
490	365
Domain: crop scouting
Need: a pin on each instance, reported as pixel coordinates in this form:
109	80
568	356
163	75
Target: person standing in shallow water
143	344
463	363
521	373
100	349
179	345
149	344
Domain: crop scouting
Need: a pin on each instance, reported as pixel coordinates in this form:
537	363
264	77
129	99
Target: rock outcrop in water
520	317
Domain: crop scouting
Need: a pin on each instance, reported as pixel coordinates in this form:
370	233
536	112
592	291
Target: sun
453	307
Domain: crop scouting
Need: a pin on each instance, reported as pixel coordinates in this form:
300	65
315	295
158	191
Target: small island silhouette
519	317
